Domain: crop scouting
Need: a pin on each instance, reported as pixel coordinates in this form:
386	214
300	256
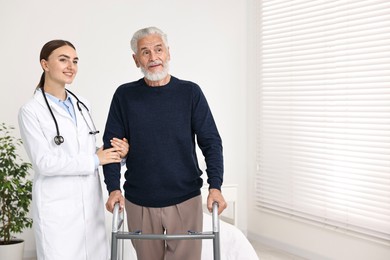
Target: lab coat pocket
48	129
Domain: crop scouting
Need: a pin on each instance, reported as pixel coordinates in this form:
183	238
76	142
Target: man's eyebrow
146	47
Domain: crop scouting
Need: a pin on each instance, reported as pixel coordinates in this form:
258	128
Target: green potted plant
15	194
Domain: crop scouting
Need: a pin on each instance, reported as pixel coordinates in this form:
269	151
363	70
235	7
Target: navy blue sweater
163	125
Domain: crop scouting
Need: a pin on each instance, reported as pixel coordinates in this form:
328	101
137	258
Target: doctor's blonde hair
47	49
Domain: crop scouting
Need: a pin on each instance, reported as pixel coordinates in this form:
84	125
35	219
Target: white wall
207	43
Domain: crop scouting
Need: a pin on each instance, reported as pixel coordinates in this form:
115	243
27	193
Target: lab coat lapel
54	107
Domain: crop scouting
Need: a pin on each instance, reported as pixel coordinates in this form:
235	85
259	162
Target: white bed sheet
234	244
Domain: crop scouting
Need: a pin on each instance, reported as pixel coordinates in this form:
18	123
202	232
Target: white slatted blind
323	147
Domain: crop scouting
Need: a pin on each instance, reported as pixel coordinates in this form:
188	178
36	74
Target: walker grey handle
216	240
117	218
215	217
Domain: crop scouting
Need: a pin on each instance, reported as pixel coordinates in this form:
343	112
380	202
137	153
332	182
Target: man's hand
115	197
215	195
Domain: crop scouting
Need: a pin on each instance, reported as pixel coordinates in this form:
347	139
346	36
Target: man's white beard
156	76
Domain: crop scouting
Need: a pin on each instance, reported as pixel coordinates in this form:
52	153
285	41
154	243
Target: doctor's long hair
47	49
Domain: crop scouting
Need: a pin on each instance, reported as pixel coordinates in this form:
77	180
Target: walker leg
217	249
114	247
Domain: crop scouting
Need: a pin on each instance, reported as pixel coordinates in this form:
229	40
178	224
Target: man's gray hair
145	32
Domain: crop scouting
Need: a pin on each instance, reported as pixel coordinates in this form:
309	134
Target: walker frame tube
118	221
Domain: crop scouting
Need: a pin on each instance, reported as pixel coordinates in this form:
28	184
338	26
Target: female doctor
59	136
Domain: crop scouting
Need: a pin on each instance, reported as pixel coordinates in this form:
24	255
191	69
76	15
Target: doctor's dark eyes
67	60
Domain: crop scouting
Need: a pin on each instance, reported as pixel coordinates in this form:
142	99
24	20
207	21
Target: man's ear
136	60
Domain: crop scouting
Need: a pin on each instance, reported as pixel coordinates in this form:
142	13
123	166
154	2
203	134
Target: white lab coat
68	209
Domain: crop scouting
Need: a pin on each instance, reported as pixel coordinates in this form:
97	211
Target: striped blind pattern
323	128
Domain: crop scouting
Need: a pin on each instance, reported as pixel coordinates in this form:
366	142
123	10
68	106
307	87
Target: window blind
323	124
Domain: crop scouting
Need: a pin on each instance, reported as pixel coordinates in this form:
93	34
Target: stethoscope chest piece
58	139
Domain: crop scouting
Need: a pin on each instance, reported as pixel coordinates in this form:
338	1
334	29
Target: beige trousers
176	219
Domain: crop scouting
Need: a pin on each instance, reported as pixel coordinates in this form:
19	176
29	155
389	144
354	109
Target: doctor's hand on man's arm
115	154
122	146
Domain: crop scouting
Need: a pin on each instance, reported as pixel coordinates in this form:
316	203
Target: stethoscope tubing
59	139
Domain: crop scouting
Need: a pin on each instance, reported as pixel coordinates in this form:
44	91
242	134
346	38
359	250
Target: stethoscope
59	139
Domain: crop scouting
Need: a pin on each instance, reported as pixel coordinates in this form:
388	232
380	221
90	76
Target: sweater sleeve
114	128
208	138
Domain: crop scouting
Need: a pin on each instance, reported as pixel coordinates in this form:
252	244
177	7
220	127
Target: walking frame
117	222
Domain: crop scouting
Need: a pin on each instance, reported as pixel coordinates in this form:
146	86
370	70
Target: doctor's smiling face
61	66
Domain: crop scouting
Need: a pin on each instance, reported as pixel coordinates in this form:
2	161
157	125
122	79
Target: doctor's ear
44	65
